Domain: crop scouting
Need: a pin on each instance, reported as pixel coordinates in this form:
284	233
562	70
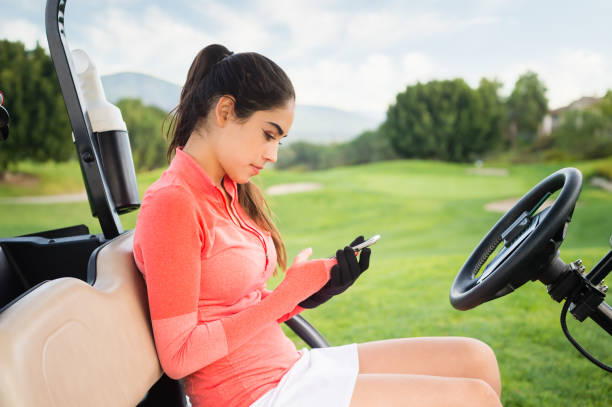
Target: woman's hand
305	277
302	256
342	275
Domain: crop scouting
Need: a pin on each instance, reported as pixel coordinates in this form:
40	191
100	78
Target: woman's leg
436	356
391	390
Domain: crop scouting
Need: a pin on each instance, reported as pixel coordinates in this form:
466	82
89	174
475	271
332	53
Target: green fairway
430	215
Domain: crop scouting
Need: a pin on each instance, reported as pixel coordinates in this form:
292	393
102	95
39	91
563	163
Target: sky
349	54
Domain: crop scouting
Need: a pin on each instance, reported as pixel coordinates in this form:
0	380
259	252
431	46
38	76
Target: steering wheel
530	242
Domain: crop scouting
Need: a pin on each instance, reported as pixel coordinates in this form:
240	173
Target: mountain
151	90
318	124
315	124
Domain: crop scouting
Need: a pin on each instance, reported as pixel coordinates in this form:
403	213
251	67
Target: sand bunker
507	204
283	189
601	183
494	172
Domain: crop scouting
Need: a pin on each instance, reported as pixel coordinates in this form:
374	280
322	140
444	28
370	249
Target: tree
493	113
586	134
445	120
302	153
526	108
144	125
39	127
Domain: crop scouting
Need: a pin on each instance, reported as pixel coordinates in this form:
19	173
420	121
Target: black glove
342	275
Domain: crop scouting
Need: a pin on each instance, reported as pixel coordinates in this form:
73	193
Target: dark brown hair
256	83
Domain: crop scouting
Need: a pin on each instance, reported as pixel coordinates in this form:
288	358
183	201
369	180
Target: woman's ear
224	111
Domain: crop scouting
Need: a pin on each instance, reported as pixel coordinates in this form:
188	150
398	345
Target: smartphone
366	243
363	245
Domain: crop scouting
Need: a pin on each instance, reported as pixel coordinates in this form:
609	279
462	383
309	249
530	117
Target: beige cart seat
67	343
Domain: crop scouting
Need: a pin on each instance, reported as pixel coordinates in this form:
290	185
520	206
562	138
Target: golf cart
74	321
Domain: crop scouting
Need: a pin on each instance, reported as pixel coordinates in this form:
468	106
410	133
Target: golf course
430	215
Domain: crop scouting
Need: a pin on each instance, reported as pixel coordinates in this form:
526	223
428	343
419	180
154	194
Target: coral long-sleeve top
206	264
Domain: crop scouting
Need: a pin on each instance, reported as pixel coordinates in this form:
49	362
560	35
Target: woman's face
245	147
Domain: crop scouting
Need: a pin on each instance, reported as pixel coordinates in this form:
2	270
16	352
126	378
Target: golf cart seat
70	343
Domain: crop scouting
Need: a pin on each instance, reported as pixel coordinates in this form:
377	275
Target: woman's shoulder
165	193
167	186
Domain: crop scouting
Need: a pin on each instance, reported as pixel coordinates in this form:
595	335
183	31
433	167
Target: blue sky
353	55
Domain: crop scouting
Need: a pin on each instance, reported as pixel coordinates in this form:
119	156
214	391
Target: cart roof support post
98	191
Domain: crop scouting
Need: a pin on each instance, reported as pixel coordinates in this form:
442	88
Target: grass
430	215
44	179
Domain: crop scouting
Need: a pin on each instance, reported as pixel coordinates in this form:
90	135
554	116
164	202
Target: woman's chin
243	180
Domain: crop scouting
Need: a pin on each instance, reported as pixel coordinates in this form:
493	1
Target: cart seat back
68	343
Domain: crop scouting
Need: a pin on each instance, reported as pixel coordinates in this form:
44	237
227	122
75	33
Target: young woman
206	245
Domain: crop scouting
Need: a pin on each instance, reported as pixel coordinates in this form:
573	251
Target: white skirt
321	377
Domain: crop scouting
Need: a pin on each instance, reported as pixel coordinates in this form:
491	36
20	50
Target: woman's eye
269	136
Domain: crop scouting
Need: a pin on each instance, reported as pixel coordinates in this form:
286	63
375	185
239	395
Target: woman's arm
168	245
265	292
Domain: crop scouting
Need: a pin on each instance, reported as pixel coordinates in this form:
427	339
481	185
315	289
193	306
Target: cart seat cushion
66	343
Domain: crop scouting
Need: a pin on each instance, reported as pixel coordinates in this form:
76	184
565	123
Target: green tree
526	108
493	114
445	120
39	127
144	125
369	146
586	134
301	153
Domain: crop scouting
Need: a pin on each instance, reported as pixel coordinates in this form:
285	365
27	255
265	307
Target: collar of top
194	174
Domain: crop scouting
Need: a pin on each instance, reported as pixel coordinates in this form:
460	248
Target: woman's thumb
302	256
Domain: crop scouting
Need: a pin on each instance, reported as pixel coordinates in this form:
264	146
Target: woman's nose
271	153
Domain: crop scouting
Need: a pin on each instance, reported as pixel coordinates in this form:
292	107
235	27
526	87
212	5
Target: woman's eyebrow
278	128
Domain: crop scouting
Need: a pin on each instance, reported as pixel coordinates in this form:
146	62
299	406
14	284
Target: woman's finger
302	256
364	259
353	266
358	240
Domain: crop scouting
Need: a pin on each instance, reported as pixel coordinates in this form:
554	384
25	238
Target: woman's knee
484	361
481	352
480	393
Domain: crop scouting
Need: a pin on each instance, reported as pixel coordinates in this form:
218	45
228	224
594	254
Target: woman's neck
204	155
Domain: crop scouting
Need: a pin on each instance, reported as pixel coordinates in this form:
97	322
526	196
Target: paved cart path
46	199
280	189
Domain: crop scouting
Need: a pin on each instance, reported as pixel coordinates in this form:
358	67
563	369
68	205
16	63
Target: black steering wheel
530	242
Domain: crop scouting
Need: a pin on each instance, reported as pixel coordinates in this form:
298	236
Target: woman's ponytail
201	66
184	118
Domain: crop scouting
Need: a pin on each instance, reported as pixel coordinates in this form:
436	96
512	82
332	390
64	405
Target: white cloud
391	27
354	31
24	31
368	85
152	43
238	31
568	75
577	73
418	66
309	26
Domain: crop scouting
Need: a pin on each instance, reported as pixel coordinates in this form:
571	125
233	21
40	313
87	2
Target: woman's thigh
433	356
390	390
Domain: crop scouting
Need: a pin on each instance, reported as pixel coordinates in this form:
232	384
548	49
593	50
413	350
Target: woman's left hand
342	275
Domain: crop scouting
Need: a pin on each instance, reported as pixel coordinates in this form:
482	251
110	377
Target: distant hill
316	124
151	90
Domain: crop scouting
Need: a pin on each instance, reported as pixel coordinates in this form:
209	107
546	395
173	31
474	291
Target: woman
206	245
